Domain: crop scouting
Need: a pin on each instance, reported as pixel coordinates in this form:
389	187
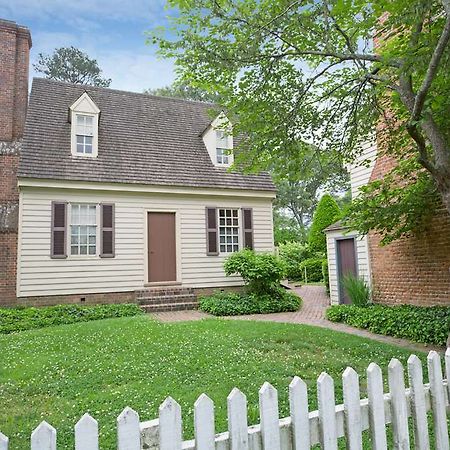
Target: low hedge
233	304
429	325
20	319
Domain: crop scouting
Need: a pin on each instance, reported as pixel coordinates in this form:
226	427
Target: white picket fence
303	428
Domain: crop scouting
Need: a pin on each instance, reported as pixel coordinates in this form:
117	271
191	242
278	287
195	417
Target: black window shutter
58	230
211	232
247	226
107	230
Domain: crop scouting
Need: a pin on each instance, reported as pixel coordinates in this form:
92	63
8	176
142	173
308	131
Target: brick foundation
89	299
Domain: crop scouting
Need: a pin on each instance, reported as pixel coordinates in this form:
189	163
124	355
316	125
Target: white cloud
132	72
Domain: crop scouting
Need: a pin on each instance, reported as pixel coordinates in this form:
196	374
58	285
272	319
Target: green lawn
61	372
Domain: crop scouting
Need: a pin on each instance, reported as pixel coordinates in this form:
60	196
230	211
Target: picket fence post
237	420
170	432
128	431
298	404
4	441
437	395
377	417
86	433
43	437
327	412
204	428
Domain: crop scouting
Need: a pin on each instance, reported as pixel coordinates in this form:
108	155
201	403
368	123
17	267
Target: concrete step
169	307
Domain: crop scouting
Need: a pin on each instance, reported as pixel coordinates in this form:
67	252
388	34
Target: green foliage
286	229
262	272
325	273
311	270
357	289
72	65
232	304
327	212
20	319
292	254
392	208
321	80
421	324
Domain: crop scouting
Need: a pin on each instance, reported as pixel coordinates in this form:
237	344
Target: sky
111	31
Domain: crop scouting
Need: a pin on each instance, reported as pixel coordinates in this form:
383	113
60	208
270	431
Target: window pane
88	149
74	250
89	120
83	250
80	119
80	148
229	234
92	250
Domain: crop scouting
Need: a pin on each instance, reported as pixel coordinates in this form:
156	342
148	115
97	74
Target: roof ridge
139	94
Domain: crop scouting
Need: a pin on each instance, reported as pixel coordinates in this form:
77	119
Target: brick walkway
315	303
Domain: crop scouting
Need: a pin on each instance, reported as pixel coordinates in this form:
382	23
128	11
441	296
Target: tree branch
433	67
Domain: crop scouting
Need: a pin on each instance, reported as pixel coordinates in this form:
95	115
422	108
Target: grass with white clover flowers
59	373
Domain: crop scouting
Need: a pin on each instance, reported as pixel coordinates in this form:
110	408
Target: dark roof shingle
143	139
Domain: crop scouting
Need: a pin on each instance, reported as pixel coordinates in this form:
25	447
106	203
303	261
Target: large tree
72	65
308	70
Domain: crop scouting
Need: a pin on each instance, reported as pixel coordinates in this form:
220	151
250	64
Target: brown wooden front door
162	255
346	259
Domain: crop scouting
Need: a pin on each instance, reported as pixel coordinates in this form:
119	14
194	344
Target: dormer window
222	148
84	115
84	134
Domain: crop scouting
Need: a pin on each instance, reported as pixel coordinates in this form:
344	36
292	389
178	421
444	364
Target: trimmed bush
357	289
292	254
429	325
233	304
311	270
20	319
262	272
326	213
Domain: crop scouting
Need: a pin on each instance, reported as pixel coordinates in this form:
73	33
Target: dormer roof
142	139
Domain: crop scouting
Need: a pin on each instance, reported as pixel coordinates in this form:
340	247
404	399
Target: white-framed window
84	133
222	148
83	229
228	230
84	118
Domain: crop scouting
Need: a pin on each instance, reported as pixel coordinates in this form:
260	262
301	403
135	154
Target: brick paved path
315	302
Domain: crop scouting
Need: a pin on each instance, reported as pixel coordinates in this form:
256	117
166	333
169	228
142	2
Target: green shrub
262	272
233	304
429	325
326	213
325	275
292	254
20	319
357	289
311	270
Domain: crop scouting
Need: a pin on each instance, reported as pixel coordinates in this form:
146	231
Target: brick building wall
414	270
15	44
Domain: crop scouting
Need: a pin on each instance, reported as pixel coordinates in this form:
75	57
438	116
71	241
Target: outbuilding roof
143	139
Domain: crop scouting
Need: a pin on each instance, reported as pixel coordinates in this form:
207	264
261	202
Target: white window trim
69	231
239	226
228	148
86	107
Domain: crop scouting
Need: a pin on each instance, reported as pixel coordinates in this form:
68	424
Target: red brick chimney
15	44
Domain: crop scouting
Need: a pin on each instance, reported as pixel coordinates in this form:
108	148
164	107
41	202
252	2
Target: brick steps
170	307
166	299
